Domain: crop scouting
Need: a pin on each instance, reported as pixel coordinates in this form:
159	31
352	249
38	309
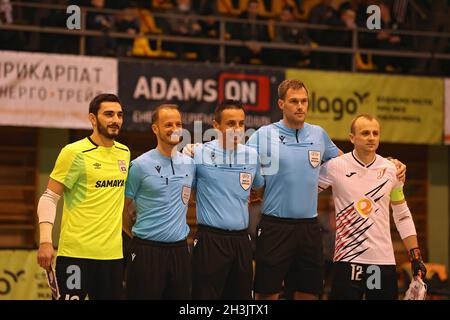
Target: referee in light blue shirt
225	172
159	181
289	242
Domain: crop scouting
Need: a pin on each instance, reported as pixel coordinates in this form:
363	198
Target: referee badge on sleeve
314	158
245	179
185	194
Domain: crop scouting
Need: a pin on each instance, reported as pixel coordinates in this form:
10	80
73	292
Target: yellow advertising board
20	276
410	109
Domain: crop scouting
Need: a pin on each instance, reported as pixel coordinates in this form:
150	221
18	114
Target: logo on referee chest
245	179
314	158
122	166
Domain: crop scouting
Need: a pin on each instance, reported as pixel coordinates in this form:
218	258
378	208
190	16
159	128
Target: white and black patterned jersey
361	195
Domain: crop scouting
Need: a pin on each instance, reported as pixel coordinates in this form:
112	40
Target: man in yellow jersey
91	173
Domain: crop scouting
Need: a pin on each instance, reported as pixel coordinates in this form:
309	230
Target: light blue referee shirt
160	187
223	181
290	162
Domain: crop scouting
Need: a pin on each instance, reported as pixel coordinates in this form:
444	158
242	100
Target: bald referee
158	266
91	173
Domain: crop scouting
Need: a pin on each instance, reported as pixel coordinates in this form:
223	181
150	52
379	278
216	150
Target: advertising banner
52	90
196	89
410	109
21	278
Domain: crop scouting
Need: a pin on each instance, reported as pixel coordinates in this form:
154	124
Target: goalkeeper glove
417	266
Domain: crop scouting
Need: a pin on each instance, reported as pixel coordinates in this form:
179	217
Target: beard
103	130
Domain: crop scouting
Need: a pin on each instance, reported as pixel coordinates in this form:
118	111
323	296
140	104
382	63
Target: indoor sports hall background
52	64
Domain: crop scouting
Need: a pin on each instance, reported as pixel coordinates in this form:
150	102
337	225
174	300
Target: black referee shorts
289	251
222	264
353	281
97	279
158	270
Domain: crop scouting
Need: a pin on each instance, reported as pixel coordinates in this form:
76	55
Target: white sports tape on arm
46	209
403	220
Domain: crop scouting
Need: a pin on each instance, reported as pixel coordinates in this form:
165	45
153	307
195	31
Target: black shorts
158	270
126	247
352	281
222	264
97	279
289	250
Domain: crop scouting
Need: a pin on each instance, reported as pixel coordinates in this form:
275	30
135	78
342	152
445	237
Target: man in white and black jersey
364	185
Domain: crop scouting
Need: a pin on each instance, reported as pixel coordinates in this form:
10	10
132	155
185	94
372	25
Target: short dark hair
155	113
227	104
365	116
95	103
289	84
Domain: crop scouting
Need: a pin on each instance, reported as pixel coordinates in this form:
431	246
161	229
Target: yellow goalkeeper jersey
94	179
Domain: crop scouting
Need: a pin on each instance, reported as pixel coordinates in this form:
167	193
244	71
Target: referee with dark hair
226	170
